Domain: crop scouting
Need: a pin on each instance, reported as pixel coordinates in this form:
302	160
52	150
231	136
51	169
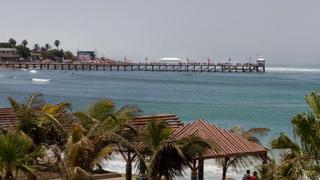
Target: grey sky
284	31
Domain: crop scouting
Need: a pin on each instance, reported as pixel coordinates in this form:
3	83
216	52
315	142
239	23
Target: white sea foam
33	71
38	80
291	69
211	169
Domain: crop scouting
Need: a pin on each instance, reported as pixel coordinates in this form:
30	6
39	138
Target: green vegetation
242	161
299	156
38	52
168	158
53	138
17	154
86	138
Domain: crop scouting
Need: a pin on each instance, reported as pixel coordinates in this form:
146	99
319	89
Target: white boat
40	80
33	71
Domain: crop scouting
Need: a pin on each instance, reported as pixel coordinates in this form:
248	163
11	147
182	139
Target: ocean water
226	99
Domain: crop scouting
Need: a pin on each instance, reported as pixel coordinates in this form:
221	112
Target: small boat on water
33	71
40	80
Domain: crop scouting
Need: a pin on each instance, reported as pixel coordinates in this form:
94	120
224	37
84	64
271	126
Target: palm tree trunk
200	170
128	170
224	168
8	175
194	175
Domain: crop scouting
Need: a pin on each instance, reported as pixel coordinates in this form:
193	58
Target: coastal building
170	60
86	55
261	60
9	54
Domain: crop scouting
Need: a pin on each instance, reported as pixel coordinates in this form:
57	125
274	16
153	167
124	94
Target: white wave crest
211	169
289	69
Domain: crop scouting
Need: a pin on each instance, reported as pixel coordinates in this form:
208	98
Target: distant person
254	176
246	176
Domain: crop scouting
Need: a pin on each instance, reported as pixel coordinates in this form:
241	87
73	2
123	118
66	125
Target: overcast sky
284	31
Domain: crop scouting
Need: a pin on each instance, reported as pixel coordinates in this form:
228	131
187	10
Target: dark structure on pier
154	67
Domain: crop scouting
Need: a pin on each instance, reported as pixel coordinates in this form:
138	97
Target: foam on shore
291	69
211	169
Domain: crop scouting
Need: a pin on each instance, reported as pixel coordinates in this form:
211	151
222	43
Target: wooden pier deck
155	67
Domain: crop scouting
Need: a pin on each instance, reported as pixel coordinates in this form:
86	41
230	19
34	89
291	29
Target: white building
261	60
170	60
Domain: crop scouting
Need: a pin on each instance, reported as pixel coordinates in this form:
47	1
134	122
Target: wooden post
129	170
200	169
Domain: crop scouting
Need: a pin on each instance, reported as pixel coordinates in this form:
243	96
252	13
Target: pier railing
155	67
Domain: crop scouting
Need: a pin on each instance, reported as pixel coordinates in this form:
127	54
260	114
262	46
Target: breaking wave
291	69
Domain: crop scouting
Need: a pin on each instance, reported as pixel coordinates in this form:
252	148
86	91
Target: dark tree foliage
23	51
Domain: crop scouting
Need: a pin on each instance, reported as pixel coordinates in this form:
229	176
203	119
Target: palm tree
168	158
100	131
268	171
47	46
42	122
236	162
300	157
12	42
57	43
296	162
36	48
17	154
24	43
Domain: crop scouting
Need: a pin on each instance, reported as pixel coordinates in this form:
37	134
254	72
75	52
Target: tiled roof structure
171	119
7	118
229	144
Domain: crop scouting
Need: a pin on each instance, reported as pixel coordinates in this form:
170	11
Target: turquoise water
226	99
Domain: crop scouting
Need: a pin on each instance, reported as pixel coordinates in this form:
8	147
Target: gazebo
229	145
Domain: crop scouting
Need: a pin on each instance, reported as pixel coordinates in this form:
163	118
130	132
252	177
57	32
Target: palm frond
284	142
313	100
103	154
101	109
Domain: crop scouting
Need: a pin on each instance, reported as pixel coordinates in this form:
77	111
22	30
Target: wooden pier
154	67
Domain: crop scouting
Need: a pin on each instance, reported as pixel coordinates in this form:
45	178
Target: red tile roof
7	118
171	119
229	144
